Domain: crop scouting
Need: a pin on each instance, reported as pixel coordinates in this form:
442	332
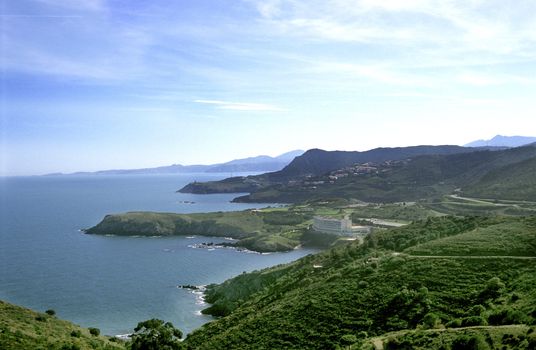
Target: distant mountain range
503	141
251	164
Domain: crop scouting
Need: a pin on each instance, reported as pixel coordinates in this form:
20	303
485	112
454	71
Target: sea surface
109	282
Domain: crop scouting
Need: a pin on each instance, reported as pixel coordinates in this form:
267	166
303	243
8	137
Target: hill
315	162
503	141
21	328
503	174
345	296
515	182
259	163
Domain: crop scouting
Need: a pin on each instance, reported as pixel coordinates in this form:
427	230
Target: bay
111	283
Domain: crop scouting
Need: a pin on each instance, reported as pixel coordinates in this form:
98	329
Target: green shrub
466	342
76	333
455	323
156	334
94	331
40	318
363	284
474	321
50	312
476	310
431	320
348	339
70	347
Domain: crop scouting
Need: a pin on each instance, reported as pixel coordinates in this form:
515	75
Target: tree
155	334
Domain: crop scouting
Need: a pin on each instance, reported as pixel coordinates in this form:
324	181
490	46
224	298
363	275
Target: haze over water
111	282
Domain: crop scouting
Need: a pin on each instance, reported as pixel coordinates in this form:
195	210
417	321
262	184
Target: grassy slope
511	238
21	328
516	182
316	301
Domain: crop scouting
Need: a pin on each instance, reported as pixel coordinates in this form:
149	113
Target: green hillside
498	174
21	328
352	293
516	182
473	337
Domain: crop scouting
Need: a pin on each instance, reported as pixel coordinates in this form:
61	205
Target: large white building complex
334	226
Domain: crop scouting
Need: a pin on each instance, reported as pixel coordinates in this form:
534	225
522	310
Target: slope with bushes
353	292
21	328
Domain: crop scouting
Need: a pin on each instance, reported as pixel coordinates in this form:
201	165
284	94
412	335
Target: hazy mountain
251	164
259	163
503	141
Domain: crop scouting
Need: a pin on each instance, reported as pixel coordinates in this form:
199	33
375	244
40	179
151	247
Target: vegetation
484	338
509	182
510	237
440	282
353	292
21	328
264	231
155	334
386	176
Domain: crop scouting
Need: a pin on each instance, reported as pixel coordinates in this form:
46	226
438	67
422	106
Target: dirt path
378	341
467	256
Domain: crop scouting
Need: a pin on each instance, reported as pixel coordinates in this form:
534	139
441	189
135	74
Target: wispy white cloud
241	106
459	26
80	5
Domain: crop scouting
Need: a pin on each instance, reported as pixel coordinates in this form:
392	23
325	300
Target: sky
104	84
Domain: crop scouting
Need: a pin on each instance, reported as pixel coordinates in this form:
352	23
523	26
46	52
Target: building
341	227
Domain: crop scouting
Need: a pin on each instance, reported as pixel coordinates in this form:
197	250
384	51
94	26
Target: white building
341	227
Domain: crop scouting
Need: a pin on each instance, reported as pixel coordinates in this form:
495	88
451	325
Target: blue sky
100	84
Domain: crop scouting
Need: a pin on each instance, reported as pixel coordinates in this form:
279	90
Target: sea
110	282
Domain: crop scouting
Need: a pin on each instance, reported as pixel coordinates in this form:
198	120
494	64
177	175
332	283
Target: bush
516	317
497	317
50	312
94	331
40	318
156	334
474	321
476	310
466	342
70	347
508	317
362	284
455	323
431	320
76	333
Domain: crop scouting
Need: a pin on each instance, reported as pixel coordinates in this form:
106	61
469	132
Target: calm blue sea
111	282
